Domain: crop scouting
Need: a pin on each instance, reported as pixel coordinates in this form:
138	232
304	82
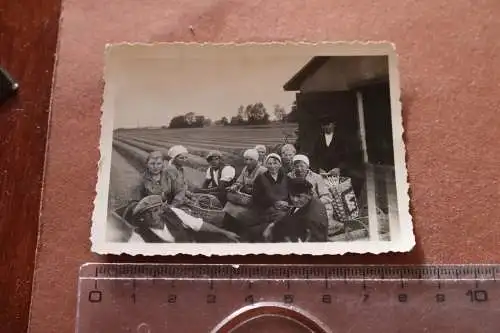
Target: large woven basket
205	206
344	204
239	198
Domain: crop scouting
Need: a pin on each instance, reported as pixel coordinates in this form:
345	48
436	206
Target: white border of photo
402	238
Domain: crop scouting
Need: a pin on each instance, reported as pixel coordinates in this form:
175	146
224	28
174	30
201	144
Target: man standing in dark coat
332	151
329	151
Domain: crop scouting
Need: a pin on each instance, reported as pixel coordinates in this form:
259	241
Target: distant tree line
189	120
254	114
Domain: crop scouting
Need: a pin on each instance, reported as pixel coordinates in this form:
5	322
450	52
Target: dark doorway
340	106
378	124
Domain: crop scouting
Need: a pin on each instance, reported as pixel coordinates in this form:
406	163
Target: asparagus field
131	147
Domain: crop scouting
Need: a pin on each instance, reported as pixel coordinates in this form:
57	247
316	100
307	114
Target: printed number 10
477	295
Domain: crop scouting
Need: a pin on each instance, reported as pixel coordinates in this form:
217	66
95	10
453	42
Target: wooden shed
352	90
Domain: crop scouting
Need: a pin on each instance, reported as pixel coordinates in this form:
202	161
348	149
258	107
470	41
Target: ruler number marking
211	299
172	298
288	299
95	296
440	298
249	299
477	295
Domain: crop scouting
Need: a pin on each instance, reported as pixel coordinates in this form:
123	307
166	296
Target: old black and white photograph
255	148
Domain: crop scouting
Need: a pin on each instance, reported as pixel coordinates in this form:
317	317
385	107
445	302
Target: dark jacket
164	186
267	191
329	157
309	223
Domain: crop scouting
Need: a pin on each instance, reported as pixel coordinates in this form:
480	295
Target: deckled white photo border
401	232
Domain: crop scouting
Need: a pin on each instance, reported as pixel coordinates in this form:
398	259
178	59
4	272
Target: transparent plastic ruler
151	298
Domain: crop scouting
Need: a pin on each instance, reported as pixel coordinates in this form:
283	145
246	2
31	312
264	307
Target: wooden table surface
28	35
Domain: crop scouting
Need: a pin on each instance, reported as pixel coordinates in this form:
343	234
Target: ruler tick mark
96	274
133	291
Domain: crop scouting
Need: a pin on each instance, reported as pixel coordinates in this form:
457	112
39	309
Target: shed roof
355	78
309	69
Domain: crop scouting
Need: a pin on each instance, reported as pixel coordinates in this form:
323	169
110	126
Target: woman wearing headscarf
237	214
252	169
175	170
301	170
270	196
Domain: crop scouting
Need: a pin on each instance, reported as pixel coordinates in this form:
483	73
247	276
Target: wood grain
28	34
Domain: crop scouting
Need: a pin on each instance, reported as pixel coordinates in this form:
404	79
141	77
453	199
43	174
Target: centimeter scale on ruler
155	298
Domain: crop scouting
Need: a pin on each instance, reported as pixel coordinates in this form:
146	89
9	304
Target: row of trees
188	120
252	114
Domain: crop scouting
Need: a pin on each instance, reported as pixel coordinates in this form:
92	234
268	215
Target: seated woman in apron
236	215
269	197
306	221
302	170
155	222
219	176
175	171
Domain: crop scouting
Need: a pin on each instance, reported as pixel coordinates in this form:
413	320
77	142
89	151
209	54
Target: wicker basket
239	198
207	207
344	204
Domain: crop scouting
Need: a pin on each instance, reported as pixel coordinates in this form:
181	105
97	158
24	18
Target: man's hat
298	186
214	153
325	119
147	203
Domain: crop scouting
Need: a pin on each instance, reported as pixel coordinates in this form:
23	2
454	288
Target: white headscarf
302	158
272	155
176	151
251	153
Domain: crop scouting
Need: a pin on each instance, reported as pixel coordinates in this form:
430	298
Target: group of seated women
287	201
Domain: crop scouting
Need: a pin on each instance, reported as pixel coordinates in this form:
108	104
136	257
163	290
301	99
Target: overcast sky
152	91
